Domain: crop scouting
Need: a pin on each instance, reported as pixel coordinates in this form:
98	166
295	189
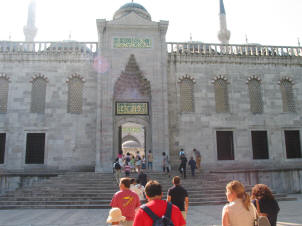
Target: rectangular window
292	143
35	145
225	145
2	147
259	144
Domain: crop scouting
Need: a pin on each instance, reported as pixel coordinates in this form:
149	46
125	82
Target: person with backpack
117	170
157	212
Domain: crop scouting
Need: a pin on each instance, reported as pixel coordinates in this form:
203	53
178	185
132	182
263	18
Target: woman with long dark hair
265	203
239	211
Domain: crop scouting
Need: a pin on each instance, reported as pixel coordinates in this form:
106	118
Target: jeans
149	165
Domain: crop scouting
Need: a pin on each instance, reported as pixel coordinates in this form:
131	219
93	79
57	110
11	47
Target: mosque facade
72	106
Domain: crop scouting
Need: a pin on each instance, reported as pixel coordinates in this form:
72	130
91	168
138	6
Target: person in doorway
157	206
178	196
127	169
138	162
132	163
150	160
166	164
115	217
197	158
183	165
126	200
192	165
143	162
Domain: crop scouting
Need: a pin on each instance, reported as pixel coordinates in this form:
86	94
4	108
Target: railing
48	47
240	50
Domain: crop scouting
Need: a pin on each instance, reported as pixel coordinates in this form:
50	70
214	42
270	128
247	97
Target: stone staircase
95	190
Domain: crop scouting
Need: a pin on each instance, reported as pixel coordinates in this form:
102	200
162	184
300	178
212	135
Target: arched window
221	94
254	86
3	93
75	94
38	95
286	87
186	94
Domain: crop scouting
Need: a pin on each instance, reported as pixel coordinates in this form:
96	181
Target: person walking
158	207
265	203
117	170
126	200
165	164
178	196
138	162
197	158
192	165
183	166
127	169
150	160
115	217
240	211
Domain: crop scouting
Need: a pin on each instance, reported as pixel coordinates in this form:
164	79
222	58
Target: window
38	94
186	95
3	94
256	104
221	95
35	145
260	145
2	147
292	144
75	95
225	146
286	87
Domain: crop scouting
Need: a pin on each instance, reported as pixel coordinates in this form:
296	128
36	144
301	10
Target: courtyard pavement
290	215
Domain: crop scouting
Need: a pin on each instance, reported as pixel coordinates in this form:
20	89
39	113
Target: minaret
30	30
224	34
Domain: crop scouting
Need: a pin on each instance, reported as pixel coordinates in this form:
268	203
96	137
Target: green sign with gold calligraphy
132	108
132	43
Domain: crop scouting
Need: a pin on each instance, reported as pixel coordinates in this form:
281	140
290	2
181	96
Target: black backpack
117	166
165	220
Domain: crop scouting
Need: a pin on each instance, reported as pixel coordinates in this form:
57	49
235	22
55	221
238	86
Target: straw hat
115	215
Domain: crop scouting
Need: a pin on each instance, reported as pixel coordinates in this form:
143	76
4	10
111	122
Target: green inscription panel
132	43
132	108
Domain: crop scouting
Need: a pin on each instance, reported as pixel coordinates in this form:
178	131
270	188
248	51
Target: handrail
48	47
213	49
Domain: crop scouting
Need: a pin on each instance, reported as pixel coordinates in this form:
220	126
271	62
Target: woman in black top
267	203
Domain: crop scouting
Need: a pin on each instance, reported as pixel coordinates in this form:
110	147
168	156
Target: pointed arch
4	86
254	87
38	93
75	94
221	94
132	85
286	88
186	84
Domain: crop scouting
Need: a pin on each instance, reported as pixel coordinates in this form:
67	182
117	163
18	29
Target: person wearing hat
115	217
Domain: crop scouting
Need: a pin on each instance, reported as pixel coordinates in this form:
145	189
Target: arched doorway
132	104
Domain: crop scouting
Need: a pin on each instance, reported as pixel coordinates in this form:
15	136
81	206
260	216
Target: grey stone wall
70	138
198	129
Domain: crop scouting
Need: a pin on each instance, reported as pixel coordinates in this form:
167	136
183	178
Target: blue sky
267	22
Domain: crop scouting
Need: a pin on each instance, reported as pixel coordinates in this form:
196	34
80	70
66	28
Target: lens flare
101	64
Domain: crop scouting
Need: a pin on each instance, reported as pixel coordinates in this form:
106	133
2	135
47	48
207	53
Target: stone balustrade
49	47
210	49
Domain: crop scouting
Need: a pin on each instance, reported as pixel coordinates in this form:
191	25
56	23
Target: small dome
132	7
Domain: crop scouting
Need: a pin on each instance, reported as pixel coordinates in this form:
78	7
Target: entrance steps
95	190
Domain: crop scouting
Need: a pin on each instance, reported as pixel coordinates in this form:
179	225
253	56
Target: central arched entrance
132	107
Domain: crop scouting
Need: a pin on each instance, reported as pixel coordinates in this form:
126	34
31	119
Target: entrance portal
132	138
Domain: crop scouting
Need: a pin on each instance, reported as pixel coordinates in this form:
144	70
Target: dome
132	7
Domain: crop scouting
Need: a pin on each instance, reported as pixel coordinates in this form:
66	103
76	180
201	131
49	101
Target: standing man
117	170
126	200
150	160
183	165
178	196
157	206
197	158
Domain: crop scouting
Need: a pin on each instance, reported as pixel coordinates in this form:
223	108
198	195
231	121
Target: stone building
71	106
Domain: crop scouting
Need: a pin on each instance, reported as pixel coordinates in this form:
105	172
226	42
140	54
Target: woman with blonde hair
239	211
